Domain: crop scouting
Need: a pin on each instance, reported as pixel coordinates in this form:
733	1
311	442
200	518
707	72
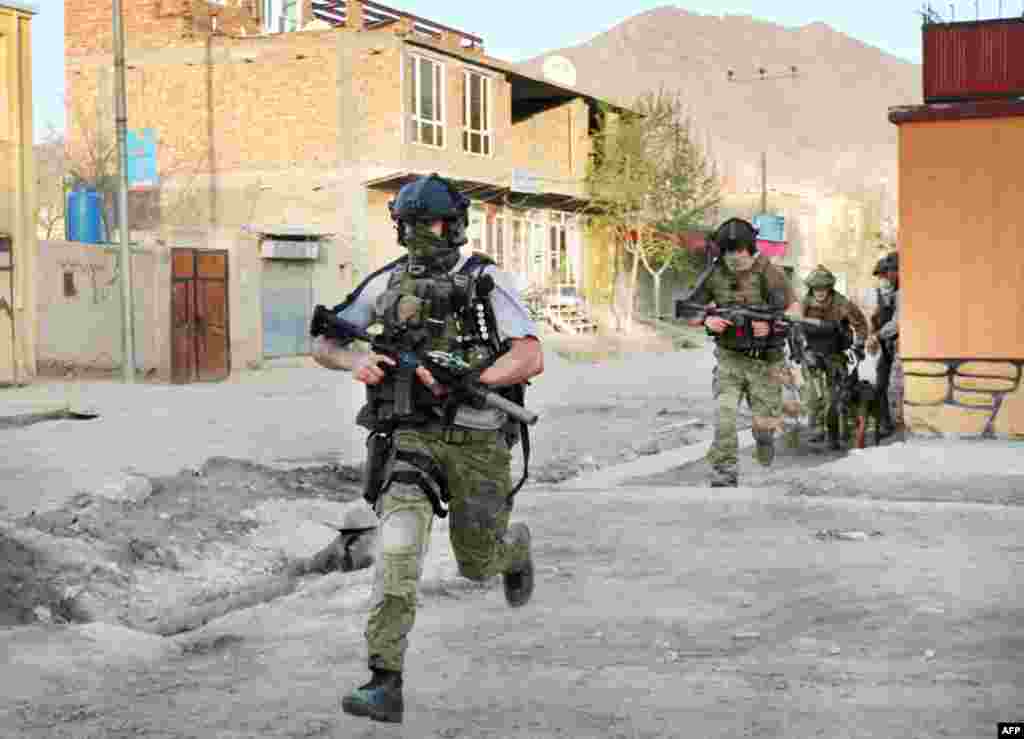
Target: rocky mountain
824	129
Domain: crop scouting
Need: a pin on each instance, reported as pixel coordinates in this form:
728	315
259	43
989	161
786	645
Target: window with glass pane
563	257
515	257
426	103
476	113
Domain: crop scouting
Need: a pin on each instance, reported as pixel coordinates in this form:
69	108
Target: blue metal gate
287	307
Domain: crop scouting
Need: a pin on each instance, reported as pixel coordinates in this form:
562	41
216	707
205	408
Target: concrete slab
649	465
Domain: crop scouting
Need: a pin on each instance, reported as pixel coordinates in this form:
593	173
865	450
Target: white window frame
274	17
487	118
438	87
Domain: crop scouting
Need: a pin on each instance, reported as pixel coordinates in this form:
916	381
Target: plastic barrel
84	216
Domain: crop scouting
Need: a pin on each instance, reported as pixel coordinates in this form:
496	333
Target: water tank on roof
84	216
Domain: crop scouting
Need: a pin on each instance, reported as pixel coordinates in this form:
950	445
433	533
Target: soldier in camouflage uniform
825	303
889	337
462	449
885	317
744	277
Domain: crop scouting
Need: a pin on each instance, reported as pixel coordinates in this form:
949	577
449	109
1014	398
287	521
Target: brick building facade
307	134
17	197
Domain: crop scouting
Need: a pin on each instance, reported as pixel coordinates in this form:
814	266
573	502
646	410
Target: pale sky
522	29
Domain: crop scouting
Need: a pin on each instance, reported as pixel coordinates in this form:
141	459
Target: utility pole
764	182
763	76
121	120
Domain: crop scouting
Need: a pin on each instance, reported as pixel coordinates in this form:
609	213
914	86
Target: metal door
287	306
201	347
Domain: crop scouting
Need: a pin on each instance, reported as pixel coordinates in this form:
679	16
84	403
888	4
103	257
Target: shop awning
487	192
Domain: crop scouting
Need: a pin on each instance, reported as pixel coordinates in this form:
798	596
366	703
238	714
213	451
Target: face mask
426	246
738	261
885	286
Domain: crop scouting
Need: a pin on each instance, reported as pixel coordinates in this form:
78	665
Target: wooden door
201	349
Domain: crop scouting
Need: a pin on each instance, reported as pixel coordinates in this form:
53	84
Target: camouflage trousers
817	389
896	391
478	475
737	376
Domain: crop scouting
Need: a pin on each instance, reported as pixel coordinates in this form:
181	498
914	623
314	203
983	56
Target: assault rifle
741	316
449	369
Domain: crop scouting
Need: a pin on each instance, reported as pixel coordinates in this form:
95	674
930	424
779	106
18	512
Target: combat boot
380	699
518	578
723	477
764	449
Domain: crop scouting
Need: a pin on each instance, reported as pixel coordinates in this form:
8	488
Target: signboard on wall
525	182
770	227
142	173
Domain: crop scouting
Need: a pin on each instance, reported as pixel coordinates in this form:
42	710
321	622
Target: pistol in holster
377	466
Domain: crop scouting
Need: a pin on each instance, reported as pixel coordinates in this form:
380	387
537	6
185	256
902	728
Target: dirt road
660	612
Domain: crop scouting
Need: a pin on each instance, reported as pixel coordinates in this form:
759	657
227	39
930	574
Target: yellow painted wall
17	199
962	273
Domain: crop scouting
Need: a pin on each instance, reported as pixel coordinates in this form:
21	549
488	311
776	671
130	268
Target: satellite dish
560	70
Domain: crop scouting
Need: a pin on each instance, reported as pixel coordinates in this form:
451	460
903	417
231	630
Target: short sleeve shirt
510	312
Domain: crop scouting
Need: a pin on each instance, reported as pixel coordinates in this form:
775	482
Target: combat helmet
736	233
431	198
889	263
820	278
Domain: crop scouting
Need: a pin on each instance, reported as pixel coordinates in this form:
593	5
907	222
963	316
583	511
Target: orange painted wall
962	239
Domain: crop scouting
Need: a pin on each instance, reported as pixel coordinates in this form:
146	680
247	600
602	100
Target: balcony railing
376	15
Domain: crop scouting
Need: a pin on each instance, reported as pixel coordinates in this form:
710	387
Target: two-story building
17	196
282	130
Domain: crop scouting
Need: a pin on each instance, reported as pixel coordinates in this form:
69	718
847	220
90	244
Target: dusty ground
210	530
659	613
195	536
663	609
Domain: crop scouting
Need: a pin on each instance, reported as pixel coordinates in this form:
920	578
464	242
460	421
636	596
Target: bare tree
51	184
91	160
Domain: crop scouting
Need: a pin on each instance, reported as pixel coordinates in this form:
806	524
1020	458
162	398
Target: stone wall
965	397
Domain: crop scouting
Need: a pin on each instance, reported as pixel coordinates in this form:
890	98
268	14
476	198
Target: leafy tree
649	185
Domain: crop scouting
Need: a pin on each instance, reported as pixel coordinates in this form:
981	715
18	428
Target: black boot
518	578
724	478
380	699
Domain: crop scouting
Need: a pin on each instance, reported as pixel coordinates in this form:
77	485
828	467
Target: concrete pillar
354	18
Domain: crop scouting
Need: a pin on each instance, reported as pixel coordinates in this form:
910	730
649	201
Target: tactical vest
427	310
886	312
831	339
728	289
432	311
